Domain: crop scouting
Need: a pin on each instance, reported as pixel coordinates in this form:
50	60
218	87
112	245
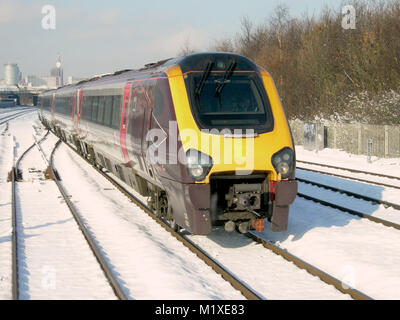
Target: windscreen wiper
225	80
206	73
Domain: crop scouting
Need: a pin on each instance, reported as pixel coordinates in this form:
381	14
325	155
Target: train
203	137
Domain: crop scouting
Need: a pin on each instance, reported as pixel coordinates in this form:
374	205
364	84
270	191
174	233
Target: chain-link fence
374	140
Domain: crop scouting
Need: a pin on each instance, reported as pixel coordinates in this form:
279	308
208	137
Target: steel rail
349	169
323	276
5	129
349	178
350	193
12	117
115	285
14	233
351	211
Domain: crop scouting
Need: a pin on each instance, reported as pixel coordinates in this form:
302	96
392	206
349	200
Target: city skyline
119	35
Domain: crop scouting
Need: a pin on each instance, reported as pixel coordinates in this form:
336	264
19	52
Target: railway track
323	276
351	211
348	210
350	177
236	283
349	169
13	116
4	130
351	194
15	176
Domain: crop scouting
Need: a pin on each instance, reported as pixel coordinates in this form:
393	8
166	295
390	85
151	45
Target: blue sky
101	36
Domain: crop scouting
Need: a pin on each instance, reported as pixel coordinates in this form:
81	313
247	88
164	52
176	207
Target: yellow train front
236	158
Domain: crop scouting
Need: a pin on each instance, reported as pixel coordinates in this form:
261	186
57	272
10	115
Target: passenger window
100	113
95	106
108	110
70	100
88	105
116	116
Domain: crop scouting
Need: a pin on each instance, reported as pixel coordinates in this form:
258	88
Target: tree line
323	70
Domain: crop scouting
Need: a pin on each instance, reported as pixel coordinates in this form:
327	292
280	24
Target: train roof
197	61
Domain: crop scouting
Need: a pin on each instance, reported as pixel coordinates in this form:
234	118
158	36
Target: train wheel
175	226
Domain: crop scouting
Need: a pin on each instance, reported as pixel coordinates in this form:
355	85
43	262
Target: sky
95	37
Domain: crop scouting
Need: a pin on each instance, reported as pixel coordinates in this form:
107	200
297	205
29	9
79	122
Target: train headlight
198	164
196	170
283	162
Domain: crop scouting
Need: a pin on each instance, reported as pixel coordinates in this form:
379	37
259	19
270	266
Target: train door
147	102
136	117
124	121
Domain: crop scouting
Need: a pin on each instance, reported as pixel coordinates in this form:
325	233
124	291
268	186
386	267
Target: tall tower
11	74
58	72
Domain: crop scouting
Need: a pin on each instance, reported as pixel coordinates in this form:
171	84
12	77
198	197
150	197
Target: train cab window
95	106
100	113
238	101
116	114
108	110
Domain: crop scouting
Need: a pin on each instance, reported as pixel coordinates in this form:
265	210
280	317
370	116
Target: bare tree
224	45
186	47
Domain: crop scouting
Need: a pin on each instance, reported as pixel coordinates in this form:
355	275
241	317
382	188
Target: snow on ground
388	166
21	127
267	273
366	207
147	260
55	261
364	254
362	188
7	112
6	161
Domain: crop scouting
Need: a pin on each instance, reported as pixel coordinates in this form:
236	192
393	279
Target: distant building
40	81
57	72
35	81
52	82
12	75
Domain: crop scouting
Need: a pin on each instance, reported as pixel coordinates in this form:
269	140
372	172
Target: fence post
359	140
369	150
386	141
334	136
